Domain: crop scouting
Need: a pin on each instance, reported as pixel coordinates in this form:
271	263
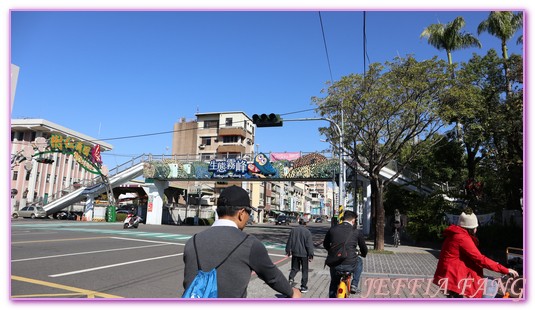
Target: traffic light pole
341	185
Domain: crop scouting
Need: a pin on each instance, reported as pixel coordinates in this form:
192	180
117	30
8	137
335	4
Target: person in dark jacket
339	234
301	248
216	243
460	265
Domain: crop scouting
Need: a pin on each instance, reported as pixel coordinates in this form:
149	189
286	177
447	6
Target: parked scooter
131	221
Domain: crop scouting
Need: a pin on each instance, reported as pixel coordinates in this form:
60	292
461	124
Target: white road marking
111	266
144	240
280	255
83	253
34	233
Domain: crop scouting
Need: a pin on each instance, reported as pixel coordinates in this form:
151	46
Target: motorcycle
131	221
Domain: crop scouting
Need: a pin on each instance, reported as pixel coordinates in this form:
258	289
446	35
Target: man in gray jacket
301	248
216	243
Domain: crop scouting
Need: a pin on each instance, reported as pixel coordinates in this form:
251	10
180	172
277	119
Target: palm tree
503	25
449	37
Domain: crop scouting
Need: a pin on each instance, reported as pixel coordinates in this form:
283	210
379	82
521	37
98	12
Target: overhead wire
326	50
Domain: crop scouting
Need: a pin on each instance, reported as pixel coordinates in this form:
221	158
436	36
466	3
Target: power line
325	45
170	131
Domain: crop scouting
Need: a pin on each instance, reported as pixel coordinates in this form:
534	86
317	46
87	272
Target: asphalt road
68	259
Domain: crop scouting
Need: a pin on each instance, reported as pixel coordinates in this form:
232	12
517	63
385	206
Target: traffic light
265	120
44	160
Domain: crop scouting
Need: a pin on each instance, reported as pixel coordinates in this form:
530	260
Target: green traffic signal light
265	120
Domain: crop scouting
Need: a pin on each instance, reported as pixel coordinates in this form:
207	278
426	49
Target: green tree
393	107
492	123
504	25
449	37
442	164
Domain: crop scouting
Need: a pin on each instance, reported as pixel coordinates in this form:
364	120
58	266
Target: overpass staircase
98	185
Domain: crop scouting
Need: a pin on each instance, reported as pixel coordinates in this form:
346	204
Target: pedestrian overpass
159	170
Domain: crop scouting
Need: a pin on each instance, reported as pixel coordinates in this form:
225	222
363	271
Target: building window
20	135
211	124
206	140
33	135
28	176
228	121
230	139
48	178
15	175
206	157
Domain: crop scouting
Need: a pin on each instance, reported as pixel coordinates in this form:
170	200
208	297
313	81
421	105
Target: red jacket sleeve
470	250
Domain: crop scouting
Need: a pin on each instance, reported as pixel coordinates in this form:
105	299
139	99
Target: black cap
234	196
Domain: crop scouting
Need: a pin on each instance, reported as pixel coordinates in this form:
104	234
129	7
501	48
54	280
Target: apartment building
216	135
34	181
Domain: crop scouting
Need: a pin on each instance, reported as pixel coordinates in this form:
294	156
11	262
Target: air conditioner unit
201	146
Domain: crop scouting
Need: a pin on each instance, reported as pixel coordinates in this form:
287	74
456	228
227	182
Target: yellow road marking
88	293
56	240
46	295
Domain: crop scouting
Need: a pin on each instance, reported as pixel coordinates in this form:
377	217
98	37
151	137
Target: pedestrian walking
221	243
301	248
460	265
349	237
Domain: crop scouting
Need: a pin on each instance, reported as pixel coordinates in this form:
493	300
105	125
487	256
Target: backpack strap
197	253
232	252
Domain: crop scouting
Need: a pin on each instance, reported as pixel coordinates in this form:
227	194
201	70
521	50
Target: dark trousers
300	263
335	279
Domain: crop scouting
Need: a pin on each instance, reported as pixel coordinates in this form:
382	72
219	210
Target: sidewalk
404	272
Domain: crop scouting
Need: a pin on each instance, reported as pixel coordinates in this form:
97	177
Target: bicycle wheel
396	239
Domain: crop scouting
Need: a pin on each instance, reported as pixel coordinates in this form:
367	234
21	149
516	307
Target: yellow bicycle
344	287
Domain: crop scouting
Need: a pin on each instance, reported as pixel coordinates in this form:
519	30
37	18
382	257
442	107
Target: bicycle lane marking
274	263
88	293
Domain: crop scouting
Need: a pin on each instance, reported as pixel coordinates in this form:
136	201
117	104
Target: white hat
468	220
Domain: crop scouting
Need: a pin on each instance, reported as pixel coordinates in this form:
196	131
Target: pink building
33	181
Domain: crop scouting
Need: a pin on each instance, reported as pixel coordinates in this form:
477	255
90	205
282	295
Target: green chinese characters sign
87	156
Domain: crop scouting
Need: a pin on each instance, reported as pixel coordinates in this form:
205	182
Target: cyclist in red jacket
460	265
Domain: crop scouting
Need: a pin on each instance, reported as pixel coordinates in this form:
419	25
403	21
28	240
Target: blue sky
111	74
